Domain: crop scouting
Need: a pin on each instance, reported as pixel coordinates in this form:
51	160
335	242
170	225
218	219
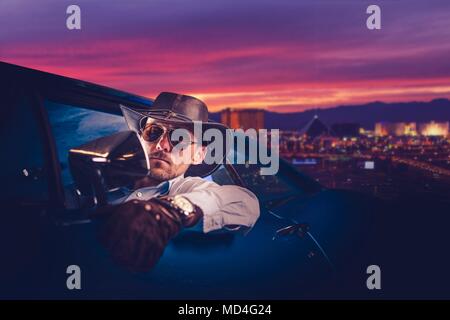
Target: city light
384	162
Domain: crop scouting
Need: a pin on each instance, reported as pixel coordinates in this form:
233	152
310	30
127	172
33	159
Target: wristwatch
185	209
182	204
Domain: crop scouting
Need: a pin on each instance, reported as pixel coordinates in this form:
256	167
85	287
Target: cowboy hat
180	111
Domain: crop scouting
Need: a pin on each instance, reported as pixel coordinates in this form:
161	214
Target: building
411	129
315	128
434	128
243	118
395	129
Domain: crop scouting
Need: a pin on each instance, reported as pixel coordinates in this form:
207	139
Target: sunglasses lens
152	133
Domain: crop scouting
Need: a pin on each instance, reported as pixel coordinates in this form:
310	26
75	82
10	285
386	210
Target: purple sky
280	55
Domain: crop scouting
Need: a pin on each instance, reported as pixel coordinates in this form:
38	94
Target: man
137	229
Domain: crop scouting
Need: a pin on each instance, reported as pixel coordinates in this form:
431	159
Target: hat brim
134	119
137	118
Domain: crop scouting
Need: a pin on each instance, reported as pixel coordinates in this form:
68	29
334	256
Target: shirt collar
171	182
164	187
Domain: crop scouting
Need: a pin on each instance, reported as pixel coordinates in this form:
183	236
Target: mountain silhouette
366	114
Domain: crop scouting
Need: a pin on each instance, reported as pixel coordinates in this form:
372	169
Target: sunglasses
154	132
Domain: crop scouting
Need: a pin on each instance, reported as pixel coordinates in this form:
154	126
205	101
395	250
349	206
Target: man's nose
164	143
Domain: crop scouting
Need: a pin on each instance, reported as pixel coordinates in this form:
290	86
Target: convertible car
310	242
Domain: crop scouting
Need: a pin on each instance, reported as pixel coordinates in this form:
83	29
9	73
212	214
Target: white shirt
229	206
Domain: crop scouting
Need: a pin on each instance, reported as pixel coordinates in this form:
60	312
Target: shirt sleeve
229	206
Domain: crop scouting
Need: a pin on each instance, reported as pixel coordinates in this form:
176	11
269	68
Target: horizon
286	57
343	105
283	112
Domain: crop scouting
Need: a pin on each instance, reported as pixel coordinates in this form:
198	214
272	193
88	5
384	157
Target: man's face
167	158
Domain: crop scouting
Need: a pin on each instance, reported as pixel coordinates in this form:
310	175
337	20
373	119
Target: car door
26	186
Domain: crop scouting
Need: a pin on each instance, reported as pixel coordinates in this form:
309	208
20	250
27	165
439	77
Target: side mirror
107	164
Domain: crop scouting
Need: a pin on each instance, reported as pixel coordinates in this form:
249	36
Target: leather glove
137	232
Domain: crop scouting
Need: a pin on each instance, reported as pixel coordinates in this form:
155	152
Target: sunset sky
282	55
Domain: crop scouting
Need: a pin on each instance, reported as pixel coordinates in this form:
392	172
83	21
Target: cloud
250	53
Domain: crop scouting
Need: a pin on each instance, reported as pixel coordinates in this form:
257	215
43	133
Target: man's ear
199	155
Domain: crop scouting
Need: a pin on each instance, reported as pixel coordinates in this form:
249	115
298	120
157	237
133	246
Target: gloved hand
136	232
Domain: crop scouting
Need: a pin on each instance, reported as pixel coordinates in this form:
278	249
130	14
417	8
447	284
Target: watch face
184	204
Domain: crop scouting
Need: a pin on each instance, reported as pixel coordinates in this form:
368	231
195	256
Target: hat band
168	114
163	114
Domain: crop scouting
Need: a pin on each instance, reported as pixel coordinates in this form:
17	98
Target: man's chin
159	174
